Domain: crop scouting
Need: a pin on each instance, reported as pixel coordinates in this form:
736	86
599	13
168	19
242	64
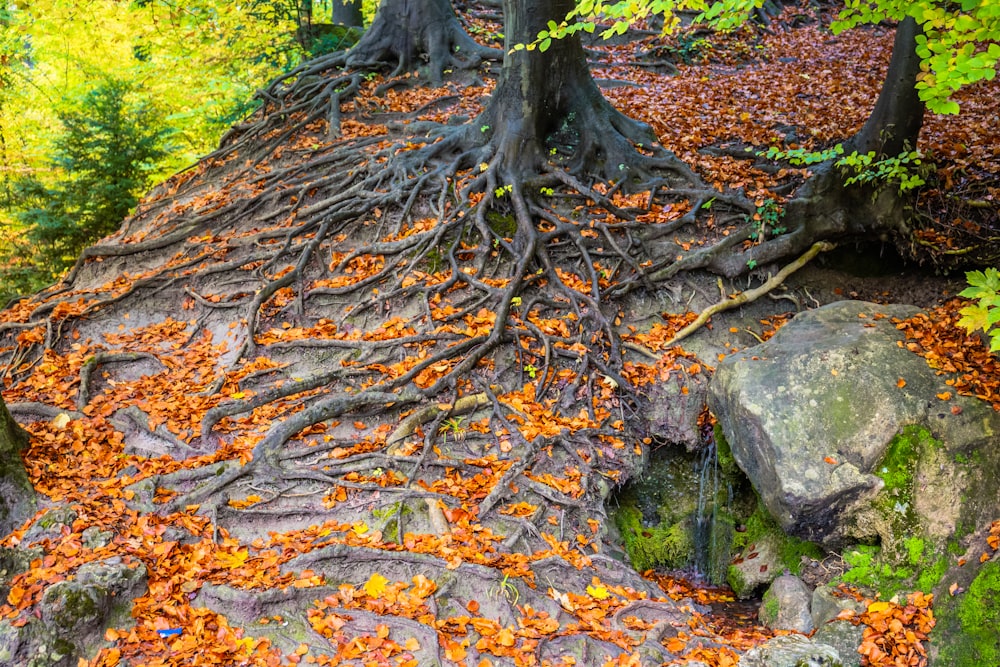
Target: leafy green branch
984	315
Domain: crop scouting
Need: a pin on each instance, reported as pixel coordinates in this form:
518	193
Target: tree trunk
17	498
825	208
895	122
347	13
405	30
546	104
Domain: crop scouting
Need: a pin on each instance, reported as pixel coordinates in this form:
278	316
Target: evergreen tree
103	160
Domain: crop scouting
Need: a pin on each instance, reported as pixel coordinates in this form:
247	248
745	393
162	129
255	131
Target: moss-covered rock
17	498
968	625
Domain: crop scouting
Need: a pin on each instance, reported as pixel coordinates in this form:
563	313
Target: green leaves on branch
800	156
906	170
984	315
958	46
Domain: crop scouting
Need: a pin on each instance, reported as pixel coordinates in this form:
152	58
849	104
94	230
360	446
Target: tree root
752	295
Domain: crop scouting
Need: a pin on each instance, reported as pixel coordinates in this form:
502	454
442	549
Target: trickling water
679	514
713	524
708	487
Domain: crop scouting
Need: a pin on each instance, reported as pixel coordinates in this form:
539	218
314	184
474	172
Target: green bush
100	164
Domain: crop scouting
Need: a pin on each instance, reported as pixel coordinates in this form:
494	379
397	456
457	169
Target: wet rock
756	566
845	637
791	651
786	605
826	605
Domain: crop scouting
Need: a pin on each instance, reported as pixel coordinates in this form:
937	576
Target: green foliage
984	315
766	220
109	146
800	156
906	170
958	45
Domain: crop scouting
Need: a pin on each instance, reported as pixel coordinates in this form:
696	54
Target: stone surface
75	612
674	407
785	605
756	566
825	606
845	637
791	651
809	414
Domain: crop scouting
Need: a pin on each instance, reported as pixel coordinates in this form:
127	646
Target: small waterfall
713	524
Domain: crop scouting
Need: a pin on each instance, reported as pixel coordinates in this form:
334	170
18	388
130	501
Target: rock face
75	614
791	651
17	498
785	605
810	413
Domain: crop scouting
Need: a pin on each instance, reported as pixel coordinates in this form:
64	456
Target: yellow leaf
238	394
598	592
60	421
878	607
360	527
375	585
232	560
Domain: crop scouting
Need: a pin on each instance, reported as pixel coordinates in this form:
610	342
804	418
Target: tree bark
403	31
17	498
895	122
825	208
547	105
347	13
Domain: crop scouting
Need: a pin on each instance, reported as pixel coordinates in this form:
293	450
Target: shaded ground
289	399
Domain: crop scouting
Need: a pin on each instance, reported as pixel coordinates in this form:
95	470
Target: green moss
736	581
930	576
915	547
388	520
769	608
668	546
907	559
790	549
976	641
724	454
504	226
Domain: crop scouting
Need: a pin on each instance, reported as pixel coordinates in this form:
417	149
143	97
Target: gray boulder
826	606
757	565
785	605
74	615
791	651
845	637
810	413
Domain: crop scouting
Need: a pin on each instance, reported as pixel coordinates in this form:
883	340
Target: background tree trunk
347	13
405	30
895	122
17	498
547	104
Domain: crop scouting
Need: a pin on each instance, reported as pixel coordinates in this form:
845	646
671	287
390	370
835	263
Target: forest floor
243	421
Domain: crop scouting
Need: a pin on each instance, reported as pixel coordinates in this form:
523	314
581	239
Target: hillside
326	416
